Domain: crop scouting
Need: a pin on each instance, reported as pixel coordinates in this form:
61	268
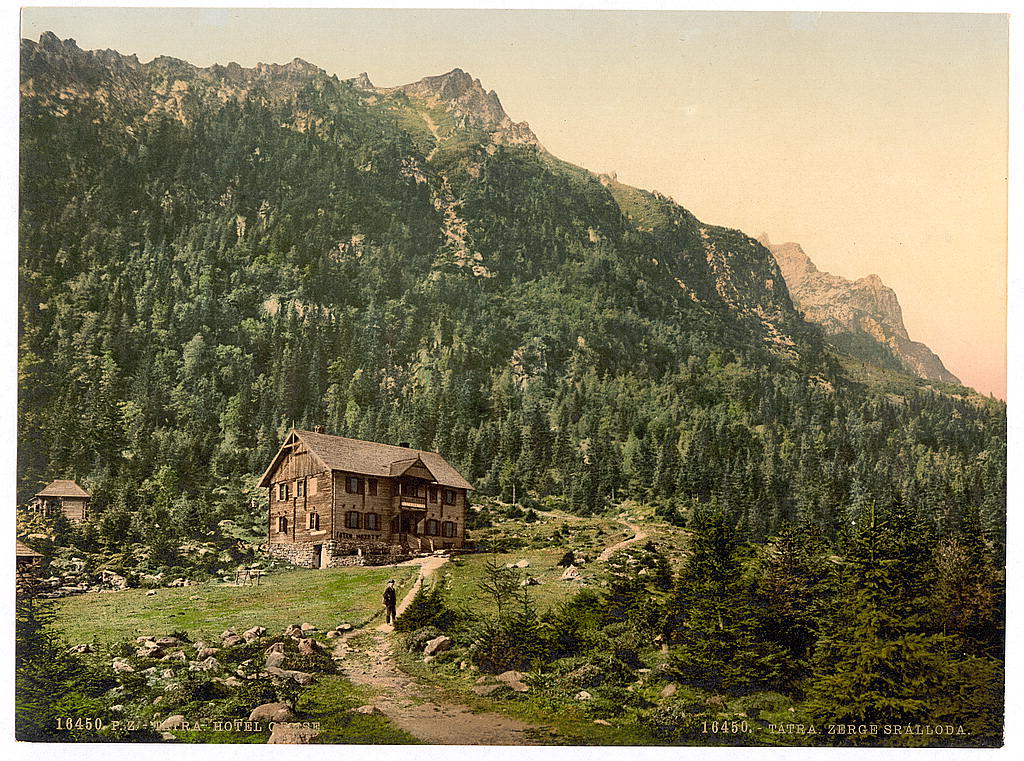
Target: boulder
168	641
207	652
530	581
232	641
570	573
145	638
179	656
669	690
486	689
151	651
81	649
602	722
299	677
150	593
343	628
437	645
255	633
514	680
228	633
307	627
233	682
292	734
208	664
171	722
583	695
294	631
521	564
277	647
275	659
168	674
200	645
309	647
272	712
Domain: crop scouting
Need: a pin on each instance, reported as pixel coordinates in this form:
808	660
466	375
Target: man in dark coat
390	600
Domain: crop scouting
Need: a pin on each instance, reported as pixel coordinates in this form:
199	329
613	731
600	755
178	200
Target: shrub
428	608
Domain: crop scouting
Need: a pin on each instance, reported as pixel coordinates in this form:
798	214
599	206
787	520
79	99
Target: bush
428	608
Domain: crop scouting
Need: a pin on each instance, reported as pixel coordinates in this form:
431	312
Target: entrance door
317	552
409	521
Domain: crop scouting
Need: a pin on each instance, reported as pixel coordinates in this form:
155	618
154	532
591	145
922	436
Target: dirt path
421	710
638	535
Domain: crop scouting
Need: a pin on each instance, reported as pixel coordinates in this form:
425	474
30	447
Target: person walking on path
390	600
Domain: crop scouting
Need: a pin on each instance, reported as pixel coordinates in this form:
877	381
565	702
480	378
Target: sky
876	141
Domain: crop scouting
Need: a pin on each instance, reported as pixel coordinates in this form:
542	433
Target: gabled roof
367	458
24	551
63	488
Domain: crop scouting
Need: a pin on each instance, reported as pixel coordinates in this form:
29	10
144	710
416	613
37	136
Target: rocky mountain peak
862	316
361	82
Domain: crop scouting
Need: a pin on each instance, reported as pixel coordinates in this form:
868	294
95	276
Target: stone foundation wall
339	554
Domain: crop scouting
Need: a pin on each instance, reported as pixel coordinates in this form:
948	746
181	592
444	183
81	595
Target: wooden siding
300	466
327	495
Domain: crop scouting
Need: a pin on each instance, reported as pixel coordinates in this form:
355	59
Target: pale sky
876	141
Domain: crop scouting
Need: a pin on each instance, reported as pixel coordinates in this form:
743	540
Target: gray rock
570	573
232	641
150	593
274	660
307	627
299	677
309	647
669	690
272	712
250	635
292	734
207	652
168	641
437	645
583	695
121	666
209	664
171	722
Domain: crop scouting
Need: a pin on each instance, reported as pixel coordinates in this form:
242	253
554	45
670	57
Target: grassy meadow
324	598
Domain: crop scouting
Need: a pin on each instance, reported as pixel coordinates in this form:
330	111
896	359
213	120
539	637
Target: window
314	522
354	485
449	496
283	491
352	519
300	487
282	525
371	486
432	527
433	494
448	528
372	521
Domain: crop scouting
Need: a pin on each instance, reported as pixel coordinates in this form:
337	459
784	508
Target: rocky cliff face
862	316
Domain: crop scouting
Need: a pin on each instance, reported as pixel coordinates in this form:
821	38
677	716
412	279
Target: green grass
324	598
328	702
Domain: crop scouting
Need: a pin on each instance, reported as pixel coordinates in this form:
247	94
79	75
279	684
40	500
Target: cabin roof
24	551
368	458
63	488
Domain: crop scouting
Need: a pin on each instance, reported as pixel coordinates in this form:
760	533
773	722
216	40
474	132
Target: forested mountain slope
209	256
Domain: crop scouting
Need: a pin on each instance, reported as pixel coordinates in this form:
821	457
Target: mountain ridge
851	310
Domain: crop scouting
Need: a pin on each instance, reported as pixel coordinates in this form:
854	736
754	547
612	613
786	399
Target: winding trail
638	535
421	710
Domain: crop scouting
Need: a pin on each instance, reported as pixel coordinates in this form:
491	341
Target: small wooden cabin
62	495
336	501
25	572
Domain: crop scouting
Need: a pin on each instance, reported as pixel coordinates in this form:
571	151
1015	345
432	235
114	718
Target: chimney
318	429
404	444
